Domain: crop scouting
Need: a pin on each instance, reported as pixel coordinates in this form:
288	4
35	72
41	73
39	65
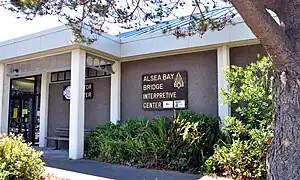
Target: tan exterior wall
244	55
202	82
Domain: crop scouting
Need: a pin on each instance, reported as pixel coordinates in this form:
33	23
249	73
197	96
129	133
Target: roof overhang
59	40
54	41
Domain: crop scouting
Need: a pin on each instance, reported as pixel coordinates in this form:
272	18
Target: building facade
48	82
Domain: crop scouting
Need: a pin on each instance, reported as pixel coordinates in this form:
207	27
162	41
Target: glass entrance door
24	108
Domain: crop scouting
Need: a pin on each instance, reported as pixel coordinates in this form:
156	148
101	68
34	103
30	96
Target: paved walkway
84	169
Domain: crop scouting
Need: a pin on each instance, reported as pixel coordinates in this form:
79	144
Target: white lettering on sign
158	77
153	87
152	105
88	95
88	86
160	95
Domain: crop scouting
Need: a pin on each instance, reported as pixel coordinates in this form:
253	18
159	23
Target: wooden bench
62	134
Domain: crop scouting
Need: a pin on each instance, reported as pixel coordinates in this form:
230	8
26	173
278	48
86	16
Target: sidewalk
109	171
58	164
64	174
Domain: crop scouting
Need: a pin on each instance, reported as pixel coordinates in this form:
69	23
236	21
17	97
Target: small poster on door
24	111
15	113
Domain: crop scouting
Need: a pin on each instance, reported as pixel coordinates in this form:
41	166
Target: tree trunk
284	153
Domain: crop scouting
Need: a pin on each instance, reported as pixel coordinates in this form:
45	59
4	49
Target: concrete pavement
58	164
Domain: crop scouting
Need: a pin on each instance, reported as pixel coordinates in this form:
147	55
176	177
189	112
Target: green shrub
243	158
18	160
135	141
247	134
159	143
191	140
250	93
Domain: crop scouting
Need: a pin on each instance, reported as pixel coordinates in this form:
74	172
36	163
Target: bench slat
58	138
67	129
62	135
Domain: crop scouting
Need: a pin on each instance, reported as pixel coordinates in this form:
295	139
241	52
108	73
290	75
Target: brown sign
89	91
165	91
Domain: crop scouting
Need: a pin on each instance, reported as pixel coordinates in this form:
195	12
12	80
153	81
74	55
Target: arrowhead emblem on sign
178	83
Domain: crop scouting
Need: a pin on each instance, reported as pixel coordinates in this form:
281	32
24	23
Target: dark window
66	75
101	73
54	77
92	72
61	76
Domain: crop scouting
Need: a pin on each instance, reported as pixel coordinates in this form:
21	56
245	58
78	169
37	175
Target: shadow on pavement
59	159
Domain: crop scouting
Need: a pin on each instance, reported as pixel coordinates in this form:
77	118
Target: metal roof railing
176	23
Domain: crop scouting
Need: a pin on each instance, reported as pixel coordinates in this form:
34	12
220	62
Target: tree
281	41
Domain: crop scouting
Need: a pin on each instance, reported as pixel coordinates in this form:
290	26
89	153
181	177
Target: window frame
87	75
